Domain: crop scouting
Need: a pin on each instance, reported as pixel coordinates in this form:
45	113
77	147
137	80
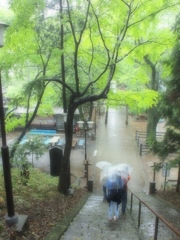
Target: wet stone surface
147	221
92	223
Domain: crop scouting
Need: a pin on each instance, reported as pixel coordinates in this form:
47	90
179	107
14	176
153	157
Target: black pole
95	123
7	181
5	160
154	175
69	166
85	144
86	161
165	176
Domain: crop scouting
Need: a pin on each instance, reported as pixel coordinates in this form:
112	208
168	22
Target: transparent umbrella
116	174
125	167
103	164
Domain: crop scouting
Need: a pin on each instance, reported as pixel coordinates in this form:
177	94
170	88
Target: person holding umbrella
102	165
114	187
114	179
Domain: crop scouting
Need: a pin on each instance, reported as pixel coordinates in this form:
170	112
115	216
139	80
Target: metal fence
157	217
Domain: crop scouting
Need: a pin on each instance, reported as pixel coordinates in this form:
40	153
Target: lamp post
11	217
86	126
69	167
95	107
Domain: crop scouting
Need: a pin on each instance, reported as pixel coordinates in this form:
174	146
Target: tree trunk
106	116
152	113
65	175
153	118
62	62
178	180
27	125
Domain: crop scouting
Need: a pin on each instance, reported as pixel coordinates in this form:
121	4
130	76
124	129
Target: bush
37	185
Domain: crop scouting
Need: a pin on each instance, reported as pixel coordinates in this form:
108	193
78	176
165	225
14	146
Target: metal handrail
157	217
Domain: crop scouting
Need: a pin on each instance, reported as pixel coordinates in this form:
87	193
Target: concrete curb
62	226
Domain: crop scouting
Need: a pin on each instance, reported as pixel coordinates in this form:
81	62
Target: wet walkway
115	142
92	224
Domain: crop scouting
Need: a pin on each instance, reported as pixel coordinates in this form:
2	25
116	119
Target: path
115	143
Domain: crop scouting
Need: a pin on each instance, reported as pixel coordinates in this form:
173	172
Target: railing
143	147
140	137
157	217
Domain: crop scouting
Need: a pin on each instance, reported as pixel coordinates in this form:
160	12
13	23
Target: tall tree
141	75
97	37
169	147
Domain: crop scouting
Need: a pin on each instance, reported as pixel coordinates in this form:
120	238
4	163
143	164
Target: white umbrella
125	167
113	172
103	164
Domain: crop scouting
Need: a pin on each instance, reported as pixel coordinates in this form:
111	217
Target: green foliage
168	149
33	147
32	38
39	185
137	101
85	46
6	16
14	122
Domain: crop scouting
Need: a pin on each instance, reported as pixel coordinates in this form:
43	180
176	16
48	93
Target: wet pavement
92	223
115	142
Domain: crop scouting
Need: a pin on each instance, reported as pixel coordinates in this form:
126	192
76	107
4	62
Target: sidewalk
116	143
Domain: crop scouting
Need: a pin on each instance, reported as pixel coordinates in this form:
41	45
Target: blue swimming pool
42	132
45	139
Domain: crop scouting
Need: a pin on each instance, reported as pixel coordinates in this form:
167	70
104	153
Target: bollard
152	187
90	186
140	149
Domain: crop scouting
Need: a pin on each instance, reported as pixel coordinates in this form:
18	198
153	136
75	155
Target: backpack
114	195
114	190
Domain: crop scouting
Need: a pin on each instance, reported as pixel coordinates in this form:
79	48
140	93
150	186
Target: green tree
78	46
140	82
171	111
32	148
6	15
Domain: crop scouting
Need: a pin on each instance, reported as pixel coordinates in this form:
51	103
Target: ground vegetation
36	195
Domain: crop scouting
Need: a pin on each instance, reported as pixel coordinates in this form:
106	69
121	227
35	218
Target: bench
61	142
81	143
74	141
47	141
